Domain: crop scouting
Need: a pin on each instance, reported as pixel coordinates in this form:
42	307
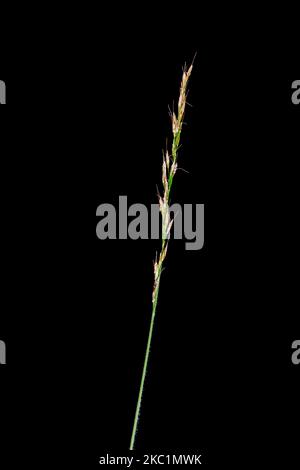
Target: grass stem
168	172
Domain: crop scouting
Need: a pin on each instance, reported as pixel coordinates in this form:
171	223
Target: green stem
139	402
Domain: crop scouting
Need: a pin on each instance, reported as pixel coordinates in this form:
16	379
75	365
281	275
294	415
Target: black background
76	309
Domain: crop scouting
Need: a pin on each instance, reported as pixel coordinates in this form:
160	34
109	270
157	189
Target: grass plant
169	169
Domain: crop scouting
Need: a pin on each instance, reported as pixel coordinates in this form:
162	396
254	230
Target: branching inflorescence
169	169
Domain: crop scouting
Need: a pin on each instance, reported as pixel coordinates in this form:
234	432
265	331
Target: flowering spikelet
167	160
165	214
157	270
175	124
173	169
177	121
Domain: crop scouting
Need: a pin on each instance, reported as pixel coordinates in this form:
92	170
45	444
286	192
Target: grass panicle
169	168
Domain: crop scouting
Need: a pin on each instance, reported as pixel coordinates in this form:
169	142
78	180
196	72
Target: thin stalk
139	402
168	172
